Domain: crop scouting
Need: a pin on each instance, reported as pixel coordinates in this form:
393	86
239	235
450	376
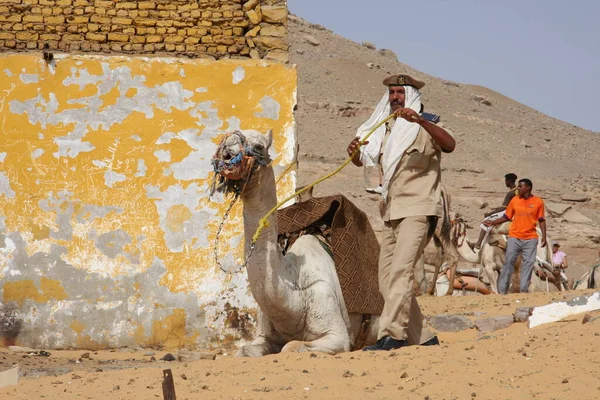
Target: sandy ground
339	83
554	361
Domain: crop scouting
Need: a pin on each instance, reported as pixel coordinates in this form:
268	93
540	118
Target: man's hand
352	148
487	223
409	114
544	241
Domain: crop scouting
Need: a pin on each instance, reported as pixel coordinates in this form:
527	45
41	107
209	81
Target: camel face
238	156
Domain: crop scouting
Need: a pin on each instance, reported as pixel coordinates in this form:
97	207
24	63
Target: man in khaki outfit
411	150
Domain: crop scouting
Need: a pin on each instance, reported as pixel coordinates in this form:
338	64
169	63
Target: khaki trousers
401	248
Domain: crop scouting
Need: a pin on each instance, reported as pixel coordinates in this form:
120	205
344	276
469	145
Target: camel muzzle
233	163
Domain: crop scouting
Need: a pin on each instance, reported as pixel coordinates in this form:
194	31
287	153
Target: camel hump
305	196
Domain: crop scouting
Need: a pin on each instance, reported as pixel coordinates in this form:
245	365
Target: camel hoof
295	347
250	351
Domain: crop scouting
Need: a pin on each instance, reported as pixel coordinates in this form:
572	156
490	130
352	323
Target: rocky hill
340	83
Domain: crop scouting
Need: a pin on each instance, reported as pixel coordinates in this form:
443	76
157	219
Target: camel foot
295	346
320	345
252	350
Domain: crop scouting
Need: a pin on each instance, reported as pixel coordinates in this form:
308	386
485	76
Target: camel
491	257
591	278
301	306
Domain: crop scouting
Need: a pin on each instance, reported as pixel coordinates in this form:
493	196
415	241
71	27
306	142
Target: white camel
301	307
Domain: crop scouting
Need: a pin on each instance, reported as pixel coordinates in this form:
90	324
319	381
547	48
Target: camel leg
329	327
261	345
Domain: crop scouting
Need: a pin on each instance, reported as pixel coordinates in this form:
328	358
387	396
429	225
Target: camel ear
269	137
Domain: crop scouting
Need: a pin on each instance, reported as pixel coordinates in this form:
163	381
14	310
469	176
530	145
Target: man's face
554	249
523	189
397	97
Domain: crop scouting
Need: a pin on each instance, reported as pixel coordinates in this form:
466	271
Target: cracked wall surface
106	228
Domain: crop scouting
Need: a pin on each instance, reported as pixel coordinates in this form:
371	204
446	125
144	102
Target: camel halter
240	167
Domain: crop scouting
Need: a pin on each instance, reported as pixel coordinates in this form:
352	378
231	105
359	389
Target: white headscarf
401	137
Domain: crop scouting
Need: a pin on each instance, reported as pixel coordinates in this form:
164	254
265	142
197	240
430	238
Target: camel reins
241	168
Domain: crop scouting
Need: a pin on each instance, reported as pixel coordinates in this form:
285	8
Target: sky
542	53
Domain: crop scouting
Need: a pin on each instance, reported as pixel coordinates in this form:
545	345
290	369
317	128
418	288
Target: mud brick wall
196	29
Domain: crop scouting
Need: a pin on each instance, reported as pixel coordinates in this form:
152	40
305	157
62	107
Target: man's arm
495	210
565	264
439	134
495	222
543	228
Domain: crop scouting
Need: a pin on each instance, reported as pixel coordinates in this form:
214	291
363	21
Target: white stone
562	309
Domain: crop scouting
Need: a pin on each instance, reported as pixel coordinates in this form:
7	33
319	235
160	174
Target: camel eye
259	147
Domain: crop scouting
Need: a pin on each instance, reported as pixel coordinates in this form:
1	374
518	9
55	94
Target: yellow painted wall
106	227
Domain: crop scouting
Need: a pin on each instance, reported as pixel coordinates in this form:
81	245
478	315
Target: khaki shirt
415	187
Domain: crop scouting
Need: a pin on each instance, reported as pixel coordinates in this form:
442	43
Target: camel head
237	158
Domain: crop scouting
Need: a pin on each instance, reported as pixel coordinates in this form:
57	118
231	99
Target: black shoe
373	347
434	341
386	343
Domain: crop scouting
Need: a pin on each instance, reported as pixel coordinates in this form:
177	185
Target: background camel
301	306
491	257
591	278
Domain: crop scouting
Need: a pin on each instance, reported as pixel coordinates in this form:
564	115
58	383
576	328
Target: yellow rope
263	223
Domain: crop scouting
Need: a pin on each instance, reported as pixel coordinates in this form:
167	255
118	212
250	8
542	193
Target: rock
85	355
577	197
522	314
525	144
565	380
9	377
482	100
576	217
370	65
311	40
562	309
299	51
369	45
20	349
253	32
295	19
250	5
494	323
254	54
253	17
274	14
281	56
168	357
557	209
348	374
270	43
185	355
450	323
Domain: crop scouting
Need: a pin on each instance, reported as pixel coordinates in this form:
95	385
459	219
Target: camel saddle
346	229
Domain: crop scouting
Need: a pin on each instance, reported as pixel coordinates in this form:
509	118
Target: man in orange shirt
525	211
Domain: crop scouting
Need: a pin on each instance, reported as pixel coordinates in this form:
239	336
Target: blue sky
542	53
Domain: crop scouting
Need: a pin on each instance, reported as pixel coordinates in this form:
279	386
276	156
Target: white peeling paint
5	188
8	73
201	90
108	305
270	108
40	135
111	177
99	163
238	75
37	153
181	72
136	138
141	168
2	157
163	155
29	78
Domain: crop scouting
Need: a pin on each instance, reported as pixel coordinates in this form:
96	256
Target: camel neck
266	263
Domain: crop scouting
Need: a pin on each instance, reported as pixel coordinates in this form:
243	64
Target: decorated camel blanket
353	243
